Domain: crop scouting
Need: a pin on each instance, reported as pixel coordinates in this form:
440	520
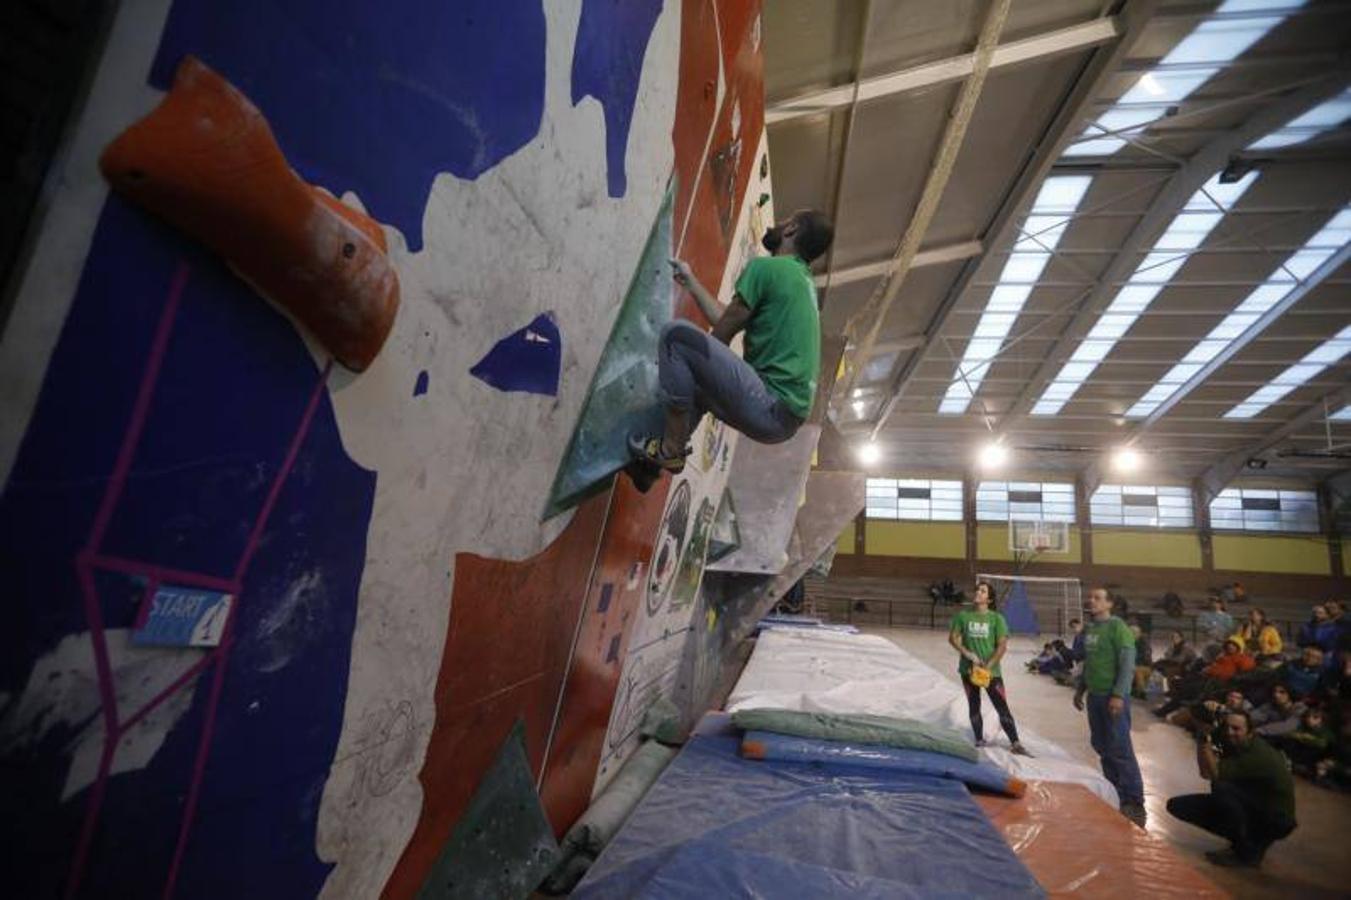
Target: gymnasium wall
412	646
1277	565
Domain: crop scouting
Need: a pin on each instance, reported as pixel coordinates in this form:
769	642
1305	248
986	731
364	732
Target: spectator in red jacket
1231	661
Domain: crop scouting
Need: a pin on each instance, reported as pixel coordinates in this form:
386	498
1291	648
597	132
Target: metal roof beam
1175	193
1042	46
1247	337
933	257
1219	474
1131	19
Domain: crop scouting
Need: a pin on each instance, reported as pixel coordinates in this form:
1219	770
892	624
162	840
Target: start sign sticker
183	617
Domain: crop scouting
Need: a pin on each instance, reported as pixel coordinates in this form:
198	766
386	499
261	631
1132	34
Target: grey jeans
699	373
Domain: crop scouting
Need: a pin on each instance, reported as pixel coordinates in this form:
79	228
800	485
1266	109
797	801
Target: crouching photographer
1252	795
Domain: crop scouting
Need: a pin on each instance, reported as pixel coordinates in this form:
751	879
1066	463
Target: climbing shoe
648	450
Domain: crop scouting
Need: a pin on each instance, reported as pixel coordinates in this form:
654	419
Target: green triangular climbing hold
623	394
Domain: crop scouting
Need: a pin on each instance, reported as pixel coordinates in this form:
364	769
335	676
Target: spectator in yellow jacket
1261	637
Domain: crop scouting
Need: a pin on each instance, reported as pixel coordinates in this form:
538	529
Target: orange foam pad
206	161
1077	846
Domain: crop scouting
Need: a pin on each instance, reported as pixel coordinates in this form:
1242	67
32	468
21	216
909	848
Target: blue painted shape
423	382
183	617
607	63
606	592
235	382
1018	611
527	360
377	98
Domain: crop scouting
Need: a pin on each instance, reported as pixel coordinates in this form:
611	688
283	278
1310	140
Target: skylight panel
1045	224
1315	361
1325	116
1186	232
1210	46
1342	415
1317	250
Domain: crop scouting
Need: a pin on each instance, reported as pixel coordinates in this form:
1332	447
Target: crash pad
861	728
716	825
1078	846
985	776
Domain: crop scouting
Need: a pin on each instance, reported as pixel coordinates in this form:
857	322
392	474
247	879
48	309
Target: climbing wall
282	630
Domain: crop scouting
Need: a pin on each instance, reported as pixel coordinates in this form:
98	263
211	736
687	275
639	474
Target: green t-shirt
783	337
1261	772
980	633
1102	648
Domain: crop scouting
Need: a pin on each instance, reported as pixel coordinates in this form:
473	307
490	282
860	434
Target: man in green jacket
768	394
1109	666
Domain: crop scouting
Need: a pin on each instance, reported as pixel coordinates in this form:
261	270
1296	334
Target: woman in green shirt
980	637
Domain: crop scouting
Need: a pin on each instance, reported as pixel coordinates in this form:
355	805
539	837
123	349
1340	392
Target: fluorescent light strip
1185	233
1211	45
1317	250
1314	362
1327	115
1048	219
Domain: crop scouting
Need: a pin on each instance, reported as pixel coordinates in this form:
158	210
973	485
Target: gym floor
1312	863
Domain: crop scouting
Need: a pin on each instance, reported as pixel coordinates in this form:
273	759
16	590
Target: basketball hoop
1033	536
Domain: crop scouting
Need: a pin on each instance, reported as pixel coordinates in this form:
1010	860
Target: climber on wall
768	394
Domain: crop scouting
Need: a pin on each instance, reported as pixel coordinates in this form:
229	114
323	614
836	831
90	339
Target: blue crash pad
716	825
790	748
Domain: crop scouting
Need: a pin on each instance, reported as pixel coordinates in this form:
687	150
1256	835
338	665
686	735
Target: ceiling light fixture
993	455
869	453
1126	459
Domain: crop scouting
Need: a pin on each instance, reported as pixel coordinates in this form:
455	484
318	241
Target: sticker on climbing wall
527	360
710	444
183	617
726	534
685	586
670	542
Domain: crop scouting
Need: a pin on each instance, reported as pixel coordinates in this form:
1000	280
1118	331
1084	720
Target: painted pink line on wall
83	566
227	640
163	574
139	410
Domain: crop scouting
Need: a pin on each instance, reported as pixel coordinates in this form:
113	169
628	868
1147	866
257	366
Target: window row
1121	505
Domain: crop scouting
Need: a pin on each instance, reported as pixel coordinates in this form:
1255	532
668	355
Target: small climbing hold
423	382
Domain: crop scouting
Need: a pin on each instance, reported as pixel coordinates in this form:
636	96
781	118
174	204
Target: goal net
1037	605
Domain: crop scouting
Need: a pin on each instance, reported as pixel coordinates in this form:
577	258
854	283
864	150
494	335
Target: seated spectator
1279	715
1208	714
1308	744
1320	631
1214	626
1335	770
1231	661
1179	657
1144	662
1252	796
1305	675
1340	624
1205	684
1076	654
1045	656
1261	636
1077	644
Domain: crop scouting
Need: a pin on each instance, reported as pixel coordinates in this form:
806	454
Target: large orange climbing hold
205	160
